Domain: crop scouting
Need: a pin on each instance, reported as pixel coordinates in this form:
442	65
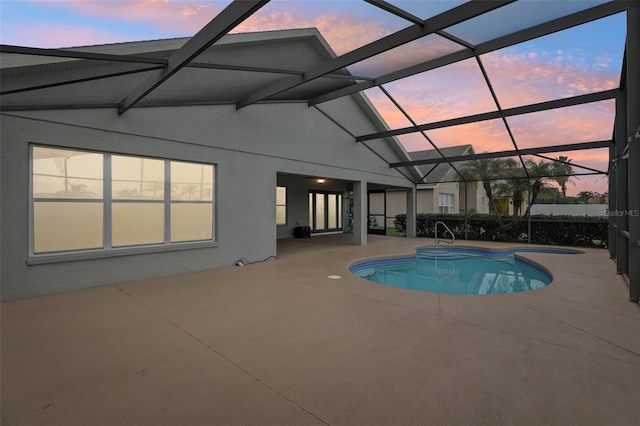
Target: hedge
580	231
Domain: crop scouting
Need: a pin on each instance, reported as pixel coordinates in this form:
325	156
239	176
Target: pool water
459	270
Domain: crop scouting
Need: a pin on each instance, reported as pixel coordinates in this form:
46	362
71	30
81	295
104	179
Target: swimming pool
460	270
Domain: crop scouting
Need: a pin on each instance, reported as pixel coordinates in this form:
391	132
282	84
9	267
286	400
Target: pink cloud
581	123
171	16
523	79
343	33
412	53
448	92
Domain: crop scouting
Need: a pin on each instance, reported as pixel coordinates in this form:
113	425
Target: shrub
581	231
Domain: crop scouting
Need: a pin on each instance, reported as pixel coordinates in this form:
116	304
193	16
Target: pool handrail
453	237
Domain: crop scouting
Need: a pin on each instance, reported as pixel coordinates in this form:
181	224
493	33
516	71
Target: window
281	205
445	204
90	201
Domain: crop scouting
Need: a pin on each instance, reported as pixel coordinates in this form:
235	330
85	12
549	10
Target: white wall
249	146
570	209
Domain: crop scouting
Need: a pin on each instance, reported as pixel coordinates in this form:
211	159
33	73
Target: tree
585	196
516	188
540	174
563	171
486	170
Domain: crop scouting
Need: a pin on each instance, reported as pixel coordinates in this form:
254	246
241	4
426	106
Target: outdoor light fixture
320	180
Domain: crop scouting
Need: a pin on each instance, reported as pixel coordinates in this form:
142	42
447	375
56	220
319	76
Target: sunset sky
580	60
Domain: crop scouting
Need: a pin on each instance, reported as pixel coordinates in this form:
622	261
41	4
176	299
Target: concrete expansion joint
221	355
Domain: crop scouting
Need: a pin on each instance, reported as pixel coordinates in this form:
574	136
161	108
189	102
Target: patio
279	343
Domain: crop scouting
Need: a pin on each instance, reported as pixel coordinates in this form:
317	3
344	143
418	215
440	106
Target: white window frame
107	250
446	208
286	212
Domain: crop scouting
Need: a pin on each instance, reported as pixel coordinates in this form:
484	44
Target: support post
360	213
466	209
633	164
611	227
621	242
412	207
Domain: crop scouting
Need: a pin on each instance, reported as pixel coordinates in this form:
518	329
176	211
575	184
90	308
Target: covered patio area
277	343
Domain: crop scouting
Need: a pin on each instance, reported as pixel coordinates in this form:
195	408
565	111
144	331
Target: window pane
190	181
281	215
136	178
281	205
333	217
320	211
60	173
191	222
311	211
66	226
137	223
281	195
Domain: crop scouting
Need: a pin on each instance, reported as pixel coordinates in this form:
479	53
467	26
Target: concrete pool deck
278	343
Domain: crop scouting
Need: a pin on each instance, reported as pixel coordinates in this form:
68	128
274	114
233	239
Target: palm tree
516	188
486	170
563	172
540	174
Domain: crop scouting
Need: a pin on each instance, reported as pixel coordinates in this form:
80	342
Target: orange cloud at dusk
172	16
409	54
343	32
522	79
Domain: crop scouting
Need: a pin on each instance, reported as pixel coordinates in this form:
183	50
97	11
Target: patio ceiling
436	72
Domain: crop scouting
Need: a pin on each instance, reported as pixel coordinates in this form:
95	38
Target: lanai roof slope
224	72
436	173
238	64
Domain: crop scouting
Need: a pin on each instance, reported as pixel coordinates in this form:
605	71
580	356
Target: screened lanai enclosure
522	82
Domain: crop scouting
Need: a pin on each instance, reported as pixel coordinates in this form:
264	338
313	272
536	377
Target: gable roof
236	65
439	172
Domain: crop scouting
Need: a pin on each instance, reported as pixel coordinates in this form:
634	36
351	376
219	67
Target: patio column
633	127
412	207
360	213
621	193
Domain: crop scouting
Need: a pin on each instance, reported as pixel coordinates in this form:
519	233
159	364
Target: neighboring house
184	181
442	193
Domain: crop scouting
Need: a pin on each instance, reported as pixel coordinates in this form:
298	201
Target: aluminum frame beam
72	77
224	22
526	109
633	149
502	154
536	31
79	76
498	177
446	19
388	7
78	54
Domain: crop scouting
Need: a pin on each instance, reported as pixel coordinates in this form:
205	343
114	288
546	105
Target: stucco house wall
249	148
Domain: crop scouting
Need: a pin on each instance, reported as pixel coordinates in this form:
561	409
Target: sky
580	60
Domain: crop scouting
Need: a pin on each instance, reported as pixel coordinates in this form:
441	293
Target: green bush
580	231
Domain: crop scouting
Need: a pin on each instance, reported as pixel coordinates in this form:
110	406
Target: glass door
377	207
325	211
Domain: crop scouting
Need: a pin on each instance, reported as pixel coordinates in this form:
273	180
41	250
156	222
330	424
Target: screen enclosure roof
525	80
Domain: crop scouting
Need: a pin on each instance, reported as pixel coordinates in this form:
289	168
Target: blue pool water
459	270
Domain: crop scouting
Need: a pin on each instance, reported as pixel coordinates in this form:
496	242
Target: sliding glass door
325	211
